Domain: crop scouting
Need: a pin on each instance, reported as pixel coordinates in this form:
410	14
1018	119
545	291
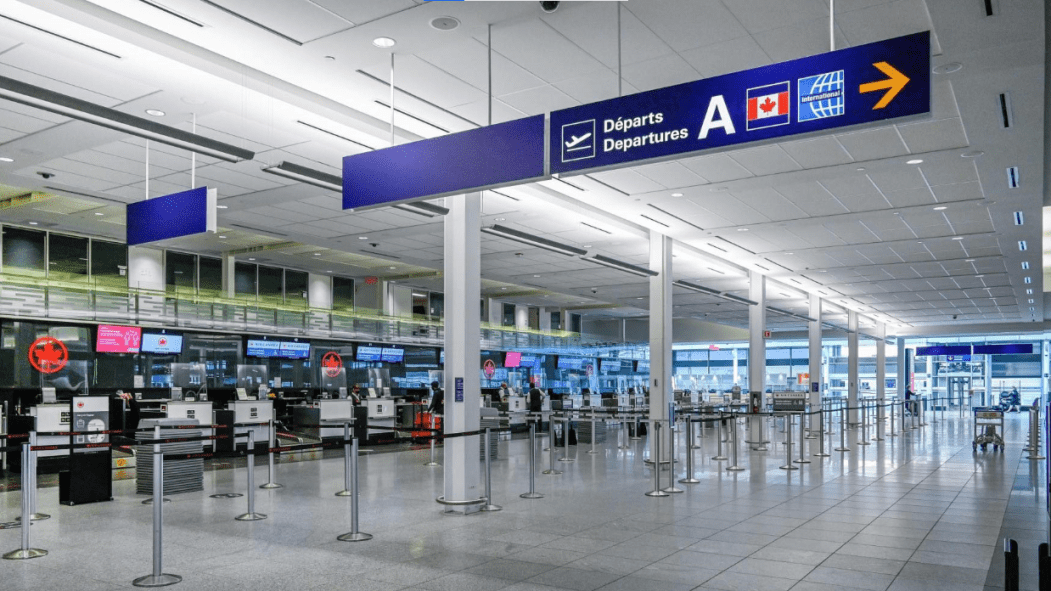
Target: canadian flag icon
769	106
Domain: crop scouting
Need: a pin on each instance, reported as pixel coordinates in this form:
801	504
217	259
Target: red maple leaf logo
768	105
331	363
48	354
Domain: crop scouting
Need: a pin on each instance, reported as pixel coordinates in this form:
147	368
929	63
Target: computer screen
369	353
118	339
162	344
392	355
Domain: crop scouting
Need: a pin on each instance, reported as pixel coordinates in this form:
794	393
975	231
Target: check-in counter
198	411
252	411
52	418
381	411
332	410
517	407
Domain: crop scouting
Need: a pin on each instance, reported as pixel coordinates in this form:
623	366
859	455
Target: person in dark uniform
437	399
355	395
536	399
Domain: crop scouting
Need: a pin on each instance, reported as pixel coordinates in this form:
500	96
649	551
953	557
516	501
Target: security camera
594	290
549	6
46	175
954	316
374	244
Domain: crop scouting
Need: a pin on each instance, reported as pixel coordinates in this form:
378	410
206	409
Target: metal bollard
656	492
432	462
923	411
34	515
842	429
592	450
565	440
270	484
1044	566
893	419
1011	579
733	467
551	446
788	442
158	578
489	506
879	420
671	488
802	443
532	494
251	515
346	492
636	436
689	479
719	457
354	535
1034	434
624	435
25	551
863	439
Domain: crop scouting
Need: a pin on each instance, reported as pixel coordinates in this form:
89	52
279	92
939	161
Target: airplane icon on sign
578	140
575	141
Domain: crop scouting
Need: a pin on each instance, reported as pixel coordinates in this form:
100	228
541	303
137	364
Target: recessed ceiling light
317	254
1025	265
1022	246
155	112
979	276
363	237
503	289
535	276
384	42
957	237
1028	279
499	219
586	246
972	154
6	159
861	169
1030	300
328	271
941	208
251	259
1029	292
222	237
222	206
34	223
968	260
742	229
392	268
915	161
676	194
99	213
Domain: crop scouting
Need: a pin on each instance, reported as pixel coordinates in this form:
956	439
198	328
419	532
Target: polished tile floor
919	511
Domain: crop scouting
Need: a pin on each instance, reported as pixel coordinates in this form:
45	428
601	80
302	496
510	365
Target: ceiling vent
1006	118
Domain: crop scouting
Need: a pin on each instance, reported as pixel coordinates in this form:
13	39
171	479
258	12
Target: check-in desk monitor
253	411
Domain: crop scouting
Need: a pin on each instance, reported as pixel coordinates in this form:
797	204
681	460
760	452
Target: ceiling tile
873	144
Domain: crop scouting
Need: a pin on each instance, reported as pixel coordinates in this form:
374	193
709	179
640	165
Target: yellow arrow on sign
892	85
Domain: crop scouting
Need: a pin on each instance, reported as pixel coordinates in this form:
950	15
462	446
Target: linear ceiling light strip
532	240
306	175
75	108
622	266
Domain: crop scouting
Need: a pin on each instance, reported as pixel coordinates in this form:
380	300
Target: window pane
296	287
271	284
210	276
509	315
342	294
109	264
23	252
181	271
437	305
244	279
67	258
556	321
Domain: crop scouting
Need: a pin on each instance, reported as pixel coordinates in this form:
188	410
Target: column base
21	554
162	580
657	493
788	467
734	469
354	537
345	493
271	486
532	495
250	517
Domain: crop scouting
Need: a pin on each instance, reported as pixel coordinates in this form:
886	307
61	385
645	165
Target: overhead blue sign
855	86
939	350
493	156
179	214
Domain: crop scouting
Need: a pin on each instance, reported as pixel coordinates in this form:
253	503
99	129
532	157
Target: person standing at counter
536	399
355	395
437	399
505	391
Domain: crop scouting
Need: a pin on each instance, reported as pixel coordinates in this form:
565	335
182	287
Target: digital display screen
164	344
293	350
259	348
528	360
118	339
570	362
512	359
392	355
369	353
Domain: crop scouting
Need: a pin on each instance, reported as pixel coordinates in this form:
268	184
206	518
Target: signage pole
831	25
392	98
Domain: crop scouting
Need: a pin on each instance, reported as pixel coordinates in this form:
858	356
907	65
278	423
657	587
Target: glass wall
24	252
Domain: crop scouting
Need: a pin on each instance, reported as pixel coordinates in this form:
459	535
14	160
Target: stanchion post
733	467
636	436
270	484
346	492
842	429
788	443
532	494
719	457
432	462
624	435
690	478
671	488
656	441
802	443
592	450
251	515
34	515
354	535
864	435
489	506
1011	579
565	440
551	446
25	552
158	578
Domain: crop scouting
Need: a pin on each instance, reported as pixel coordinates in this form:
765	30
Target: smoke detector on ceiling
445	23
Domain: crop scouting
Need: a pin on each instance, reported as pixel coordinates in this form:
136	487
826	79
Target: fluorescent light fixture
697	288
1028	279
915	161
941	208
427	210
957	237
738	299
1022	245
622	266
307	175
222	207
34	223
1029	292
155	112
384	42
1030	300
1025	265
1019	218
6	159
532	240
1013	181
363	237
676	194
67	106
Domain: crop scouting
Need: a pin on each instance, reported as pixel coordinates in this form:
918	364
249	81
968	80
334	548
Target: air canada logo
489	368
48	355
331	364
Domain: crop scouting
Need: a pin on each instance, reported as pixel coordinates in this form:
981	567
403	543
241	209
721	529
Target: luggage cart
988	428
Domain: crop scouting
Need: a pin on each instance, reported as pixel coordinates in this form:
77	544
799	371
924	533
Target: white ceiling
841	215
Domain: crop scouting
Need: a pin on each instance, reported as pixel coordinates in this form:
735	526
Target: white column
816	394
462	338
660	330
146	268
319	291
881	373
852	366
756	328
229	277
988	381
902	376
